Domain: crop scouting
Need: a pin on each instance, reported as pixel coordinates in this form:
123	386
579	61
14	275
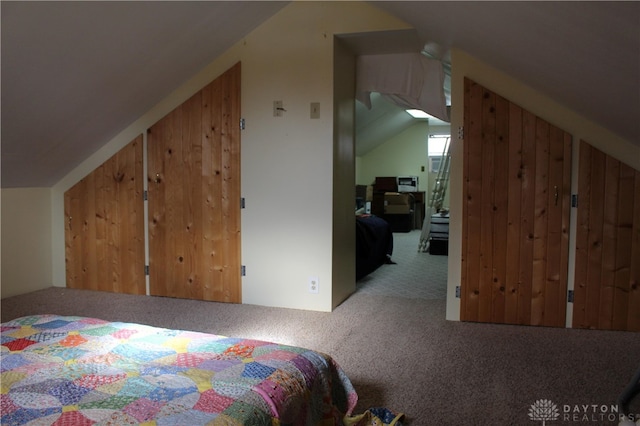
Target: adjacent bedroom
402	145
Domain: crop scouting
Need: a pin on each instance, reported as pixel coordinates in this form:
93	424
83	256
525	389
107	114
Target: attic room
297	173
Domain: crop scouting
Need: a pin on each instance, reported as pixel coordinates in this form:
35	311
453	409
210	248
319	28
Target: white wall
403	155
531	100
26	240
287	162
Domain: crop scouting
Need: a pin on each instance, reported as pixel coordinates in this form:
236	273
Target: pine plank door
607	279
516	210
104	226
194	196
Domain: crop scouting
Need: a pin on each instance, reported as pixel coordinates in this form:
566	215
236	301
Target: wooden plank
72	259
514	191
633	321
486	209
609	235
174	199
554	286
157	209
500	209
624	207
231	147
209	199
541	207
106	206
566	220
89	255
582	238
140	276
596	219
527	217
132	219
192	187
216	292
473	202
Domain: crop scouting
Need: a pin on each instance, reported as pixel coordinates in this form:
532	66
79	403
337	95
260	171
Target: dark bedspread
374	244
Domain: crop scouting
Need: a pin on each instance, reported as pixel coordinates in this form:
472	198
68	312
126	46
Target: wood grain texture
104	231
607	243
194	195
515	214
470	289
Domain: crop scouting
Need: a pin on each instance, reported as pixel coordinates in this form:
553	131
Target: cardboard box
365	192
396	198
397	209
397	203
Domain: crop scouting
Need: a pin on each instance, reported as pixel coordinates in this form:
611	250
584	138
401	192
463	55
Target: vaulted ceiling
74	74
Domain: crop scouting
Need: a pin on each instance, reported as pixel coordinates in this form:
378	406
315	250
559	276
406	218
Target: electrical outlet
313	284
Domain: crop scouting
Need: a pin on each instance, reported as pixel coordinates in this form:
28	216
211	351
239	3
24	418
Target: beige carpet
415	275
400	352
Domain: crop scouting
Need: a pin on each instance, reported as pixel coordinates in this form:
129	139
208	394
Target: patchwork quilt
80	371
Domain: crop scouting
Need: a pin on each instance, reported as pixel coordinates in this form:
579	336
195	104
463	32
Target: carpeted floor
415	275
400	353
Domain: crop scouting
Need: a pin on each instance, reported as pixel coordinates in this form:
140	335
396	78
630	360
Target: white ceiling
74	74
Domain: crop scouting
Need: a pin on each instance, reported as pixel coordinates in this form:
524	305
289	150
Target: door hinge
242	202
145	195
243	270
146	269
242	124
570	296
574	200
460	133
458	292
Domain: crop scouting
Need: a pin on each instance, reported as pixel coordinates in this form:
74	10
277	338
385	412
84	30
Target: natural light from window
437	145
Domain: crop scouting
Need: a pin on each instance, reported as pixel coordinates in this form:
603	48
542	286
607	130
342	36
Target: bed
374	244
84	371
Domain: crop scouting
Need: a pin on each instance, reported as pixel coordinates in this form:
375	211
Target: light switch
277	109
315	110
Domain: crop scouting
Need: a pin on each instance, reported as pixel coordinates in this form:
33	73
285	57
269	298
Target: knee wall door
607	278
193	164
516	209
194	196
104	226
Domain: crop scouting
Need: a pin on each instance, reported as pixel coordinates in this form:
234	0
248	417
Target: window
434	163
438	145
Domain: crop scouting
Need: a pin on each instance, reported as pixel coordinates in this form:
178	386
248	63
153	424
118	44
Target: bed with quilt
59	370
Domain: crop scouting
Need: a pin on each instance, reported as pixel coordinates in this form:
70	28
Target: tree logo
544	410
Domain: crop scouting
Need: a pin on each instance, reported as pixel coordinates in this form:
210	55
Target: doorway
389	142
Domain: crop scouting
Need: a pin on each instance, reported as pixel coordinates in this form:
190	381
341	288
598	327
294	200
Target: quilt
58	370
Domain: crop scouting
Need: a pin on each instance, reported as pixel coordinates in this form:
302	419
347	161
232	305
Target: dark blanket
374	244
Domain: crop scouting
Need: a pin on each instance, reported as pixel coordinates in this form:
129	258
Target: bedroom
265	188
271	280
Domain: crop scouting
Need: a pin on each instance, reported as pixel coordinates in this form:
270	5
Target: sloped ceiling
74	74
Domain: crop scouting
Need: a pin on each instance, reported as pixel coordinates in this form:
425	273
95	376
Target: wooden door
517	171
104	226
194	195
607	279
